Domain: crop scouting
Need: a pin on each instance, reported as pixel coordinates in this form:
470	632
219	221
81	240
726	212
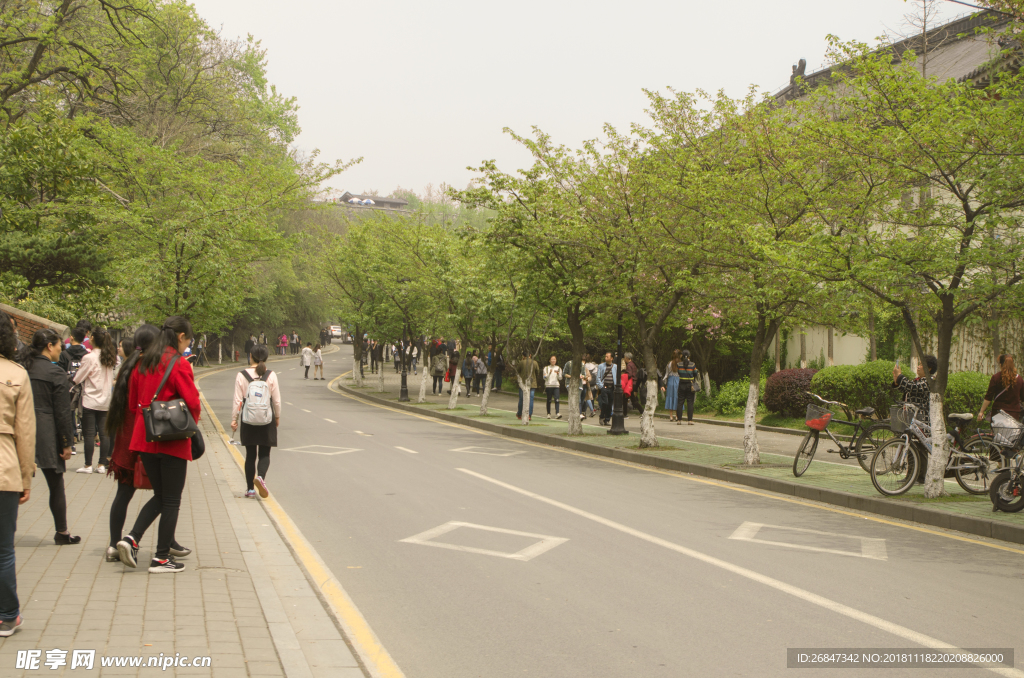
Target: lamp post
403	394
618	427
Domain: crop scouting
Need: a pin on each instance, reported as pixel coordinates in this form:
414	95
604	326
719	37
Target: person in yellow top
17	464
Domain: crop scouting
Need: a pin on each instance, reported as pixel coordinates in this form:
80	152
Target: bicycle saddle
865	411
963	416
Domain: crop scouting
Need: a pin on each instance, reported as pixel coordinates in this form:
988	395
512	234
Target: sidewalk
243	600
716	452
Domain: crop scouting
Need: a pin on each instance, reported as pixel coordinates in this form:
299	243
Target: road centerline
795	591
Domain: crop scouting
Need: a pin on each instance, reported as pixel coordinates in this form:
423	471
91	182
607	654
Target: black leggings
94	421
167	475
119	512
554	393
251	452
686	397
438	384
58	500
307	371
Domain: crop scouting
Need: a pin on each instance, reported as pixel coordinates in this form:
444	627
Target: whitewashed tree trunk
707	383
423	386
234	359
648	436
380	378
453	399
220	350
934	479
575	423
487	392
524	392
751	450
357	377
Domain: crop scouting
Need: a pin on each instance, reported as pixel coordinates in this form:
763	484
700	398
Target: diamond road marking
490	451
871	548
321	449
546	543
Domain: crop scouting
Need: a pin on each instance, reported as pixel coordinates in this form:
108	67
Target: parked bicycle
867	435
1007	491
898	463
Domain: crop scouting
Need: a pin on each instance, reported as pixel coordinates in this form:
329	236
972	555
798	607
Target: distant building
373	201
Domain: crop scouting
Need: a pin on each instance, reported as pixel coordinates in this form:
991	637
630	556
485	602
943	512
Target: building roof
390	203
955	50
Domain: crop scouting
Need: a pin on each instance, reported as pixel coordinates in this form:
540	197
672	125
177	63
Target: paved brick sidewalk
703	444
242	600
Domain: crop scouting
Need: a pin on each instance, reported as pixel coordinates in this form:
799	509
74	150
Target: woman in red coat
166	462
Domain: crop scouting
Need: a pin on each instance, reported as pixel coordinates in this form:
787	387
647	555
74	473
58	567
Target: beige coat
17	428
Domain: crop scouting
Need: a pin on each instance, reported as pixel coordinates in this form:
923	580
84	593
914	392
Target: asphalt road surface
473	555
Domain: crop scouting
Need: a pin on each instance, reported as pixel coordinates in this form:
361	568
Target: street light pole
618	427
403	395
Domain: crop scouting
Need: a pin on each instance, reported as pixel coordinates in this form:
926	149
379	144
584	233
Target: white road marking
304	409
406	449
330	420
287	403
546	543
367	435
325	450
795	591
481	450
871	548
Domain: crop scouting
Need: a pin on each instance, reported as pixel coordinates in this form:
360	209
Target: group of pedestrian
681	386
312	356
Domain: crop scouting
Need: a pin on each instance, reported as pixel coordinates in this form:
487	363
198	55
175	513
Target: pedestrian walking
591	371
528	372
323	336
689	385
396	358
263	338
125	465
632	371
162	374
295	342
438	365
607	374
479	375
17	465
468	371
412	351
282	344
54	424
307	359
552	384
671	387
318	363
96	377
257	413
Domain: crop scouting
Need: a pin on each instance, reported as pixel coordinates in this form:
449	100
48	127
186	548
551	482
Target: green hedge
732	396
870	385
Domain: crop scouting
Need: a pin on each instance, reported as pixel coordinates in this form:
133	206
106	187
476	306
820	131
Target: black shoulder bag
168	419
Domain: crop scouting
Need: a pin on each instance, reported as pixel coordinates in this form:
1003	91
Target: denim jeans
519	412
9	607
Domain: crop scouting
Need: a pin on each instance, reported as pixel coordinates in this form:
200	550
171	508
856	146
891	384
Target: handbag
141	481
198	446
168	419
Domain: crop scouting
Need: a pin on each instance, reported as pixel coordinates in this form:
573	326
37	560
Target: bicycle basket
1006	430
817	417
900	418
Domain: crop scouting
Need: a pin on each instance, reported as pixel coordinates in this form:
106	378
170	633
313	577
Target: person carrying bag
257	409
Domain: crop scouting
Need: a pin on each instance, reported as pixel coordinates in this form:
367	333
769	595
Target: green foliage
964	392
865	385
731	398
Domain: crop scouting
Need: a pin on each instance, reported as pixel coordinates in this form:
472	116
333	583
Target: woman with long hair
96	375
318	363
671	387
1004	390
55	429
166	462
17	464
257	439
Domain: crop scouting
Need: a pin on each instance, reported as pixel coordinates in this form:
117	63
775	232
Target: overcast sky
421	89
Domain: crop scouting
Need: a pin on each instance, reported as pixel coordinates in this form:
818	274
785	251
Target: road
556	564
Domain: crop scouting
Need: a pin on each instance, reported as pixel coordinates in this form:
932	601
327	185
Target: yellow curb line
366	643
696	479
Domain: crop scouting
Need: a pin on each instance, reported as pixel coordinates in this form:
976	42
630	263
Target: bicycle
1007	491
895	466
863	443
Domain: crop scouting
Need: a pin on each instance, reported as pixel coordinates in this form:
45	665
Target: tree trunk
997	344
934	480
803	349
380	377
357	357
453	399
778	349
707	383
831	360
572	381
220	350
425	364
873	341
751	450
524	392
648	436
487	389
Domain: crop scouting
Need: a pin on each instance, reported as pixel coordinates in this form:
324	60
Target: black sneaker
158	566
179	551
128	549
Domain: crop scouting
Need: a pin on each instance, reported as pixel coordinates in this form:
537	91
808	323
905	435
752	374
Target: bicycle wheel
869	442
805	453
894	467
983	461
1007	492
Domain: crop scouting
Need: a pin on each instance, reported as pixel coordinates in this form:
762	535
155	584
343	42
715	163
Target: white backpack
257	408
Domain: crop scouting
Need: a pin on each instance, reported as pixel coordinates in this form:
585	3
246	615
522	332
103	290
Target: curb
877	505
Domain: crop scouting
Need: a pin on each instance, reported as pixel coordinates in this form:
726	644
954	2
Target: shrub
866	385
785	391
732	396
964	392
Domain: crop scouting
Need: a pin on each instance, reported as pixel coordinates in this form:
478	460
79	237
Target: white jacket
307	356
97	382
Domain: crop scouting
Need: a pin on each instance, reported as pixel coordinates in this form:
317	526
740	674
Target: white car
336	332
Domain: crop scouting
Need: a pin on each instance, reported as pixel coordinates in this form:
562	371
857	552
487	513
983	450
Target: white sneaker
549	416
101	469
84	469
558	416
